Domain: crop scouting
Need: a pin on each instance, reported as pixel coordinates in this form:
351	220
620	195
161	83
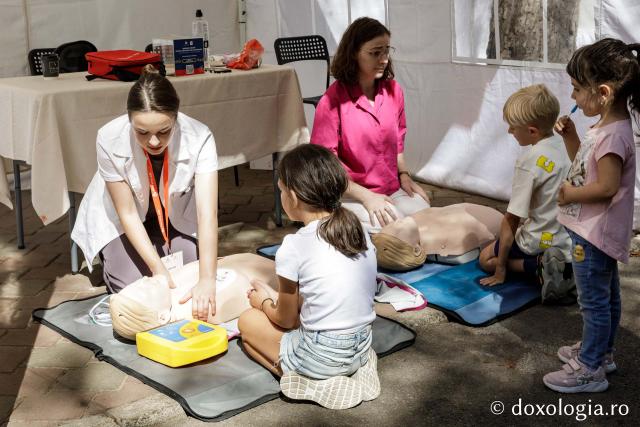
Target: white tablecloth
52	124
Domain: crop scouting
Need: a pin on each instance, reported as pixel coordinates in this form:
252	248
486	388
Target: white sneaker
334	393
340	392
367	376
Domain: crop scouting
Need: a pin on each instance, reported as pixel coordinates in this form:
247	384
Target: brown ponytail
318	179
153	92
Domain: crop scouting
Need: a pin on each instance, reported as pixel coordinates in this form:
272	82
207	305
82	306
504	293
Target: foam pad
456	290
211	390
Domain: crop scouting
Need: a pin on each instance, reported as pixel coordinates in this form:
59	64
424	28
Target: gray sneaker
556	283
575	377
568	352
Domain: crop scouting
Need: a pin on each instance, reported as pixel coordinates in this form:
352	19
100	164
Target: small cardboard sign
188	55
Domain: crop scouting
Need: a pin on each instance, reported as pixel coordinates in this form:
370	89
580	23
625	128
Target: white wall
108	24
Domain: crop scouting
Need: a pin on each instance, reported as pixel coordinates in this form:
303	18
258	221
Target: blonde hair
129	317
532	105
396	254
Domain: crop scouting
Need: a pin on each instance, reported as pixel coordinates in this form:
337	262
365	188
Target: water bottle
200	28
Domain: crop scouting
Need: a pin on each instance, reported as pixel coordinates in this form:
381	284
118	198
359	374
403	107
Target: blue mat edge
451	314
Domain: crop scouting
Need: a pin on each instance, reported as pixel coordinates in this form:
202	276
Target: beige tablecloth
52	124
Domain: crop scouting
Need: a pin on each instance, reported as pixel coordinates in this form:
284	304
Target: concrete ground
452	375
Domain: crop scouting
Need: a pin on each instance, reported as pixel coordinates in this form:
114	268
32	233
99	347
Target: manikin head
398	245
145	304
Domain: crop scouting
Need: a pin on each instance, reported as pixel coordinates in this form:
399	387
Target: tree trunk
520	25
562	26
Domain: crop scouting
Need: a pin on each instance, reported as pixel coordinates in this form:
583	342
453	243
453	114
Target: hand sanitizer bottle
200	28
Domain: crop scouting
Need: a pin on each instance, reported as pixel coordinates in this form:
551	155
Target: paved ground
450	376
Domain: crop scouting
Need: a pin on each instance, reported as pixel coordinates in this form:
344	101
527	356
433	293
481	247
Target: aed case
183	342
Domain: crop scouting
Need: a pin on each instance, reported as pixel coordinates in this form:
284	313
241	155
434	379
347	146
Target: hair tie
335	206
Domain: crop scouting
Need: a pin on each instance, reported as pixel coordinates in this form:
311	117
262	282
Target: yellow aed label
544	163
183	342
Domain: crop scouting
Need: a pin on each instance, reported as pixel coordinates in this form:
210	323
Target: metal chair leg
276	190
236	176
72	220
17	191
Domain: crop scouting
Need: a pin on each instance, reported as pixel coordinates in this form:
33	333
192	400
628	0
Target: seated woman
150	302
452	235
361	120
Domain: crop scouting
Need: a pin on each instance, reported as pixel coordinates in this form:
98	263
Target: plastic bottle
200	28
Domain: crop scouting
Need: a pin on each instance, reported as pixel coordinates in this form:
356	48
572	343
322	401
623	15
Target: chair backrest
303	48
35	59
148	48
72	55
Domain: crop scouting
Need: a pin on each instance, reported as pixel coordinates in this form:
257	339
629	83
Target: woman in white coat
147	157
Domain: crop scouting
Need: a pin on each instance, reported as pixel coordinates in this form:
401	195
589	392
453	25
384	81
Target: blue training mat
456	291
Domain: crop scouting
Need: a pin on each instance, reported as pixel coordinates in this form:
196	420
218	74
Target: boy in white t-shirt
532	241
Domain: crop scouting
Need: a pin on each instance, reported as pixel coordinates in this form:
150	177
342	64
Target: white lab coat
191	151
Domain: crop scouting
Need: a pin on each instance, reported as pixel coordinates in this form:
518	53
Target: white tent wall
456	137
108	24
13	38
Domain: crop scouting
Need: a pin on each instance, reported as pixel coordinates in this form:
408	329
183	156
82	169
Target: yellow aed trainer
182	342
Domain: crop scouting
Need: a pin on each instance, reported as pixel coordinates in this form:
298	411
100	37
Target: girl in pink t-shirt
596	205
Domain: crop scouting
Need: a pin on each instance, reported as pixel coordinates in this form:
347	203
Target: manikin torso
449	230
233	280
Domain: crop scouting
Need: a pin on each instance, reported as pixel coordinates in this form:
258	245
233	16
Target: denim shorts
324	354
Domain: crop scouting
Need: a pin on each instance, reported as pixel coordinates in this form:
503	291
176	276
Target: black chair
72	54
148	48
35	59
303	48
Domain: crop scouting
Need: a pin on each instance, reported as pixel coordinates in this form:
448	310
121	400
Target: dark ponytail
609	61
153	92
318	179
634	100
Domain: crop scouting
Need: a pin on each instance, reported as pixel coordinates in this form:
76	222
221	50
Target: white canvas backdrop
108	24
456	137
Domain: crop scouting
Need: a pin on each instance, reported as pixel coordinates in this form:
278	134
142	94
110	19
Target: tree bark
520	26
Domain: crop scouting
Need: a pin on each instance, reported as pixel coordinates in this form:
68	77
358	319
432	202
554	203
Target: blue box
188	56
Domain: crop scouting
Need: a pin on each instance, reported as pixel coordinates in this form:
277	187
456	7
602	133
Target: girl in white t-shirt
318	327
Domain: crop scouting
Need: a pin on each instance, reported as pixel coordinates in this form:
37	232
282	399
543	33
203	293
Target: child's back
337	291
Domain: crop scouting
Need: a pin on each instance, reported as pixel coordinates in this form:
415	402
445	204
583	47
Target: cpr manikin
149	302
452	234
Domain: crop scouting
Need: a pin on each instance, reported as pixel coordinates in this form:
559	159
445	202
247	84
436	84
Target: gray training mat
211	390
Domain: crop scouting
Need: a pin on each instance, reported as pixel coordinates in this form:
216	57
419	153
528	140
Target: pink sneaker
575	377
568	352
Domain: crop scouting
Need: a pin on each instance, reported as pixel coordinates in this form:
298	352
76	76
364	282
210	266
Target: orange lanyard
163	217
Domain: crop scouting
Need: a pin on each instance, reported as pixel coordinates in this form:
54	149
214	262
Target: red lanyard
163	217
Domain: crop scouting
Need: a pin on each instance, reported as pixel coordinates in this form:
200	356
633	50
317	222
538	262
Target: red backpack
124	65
